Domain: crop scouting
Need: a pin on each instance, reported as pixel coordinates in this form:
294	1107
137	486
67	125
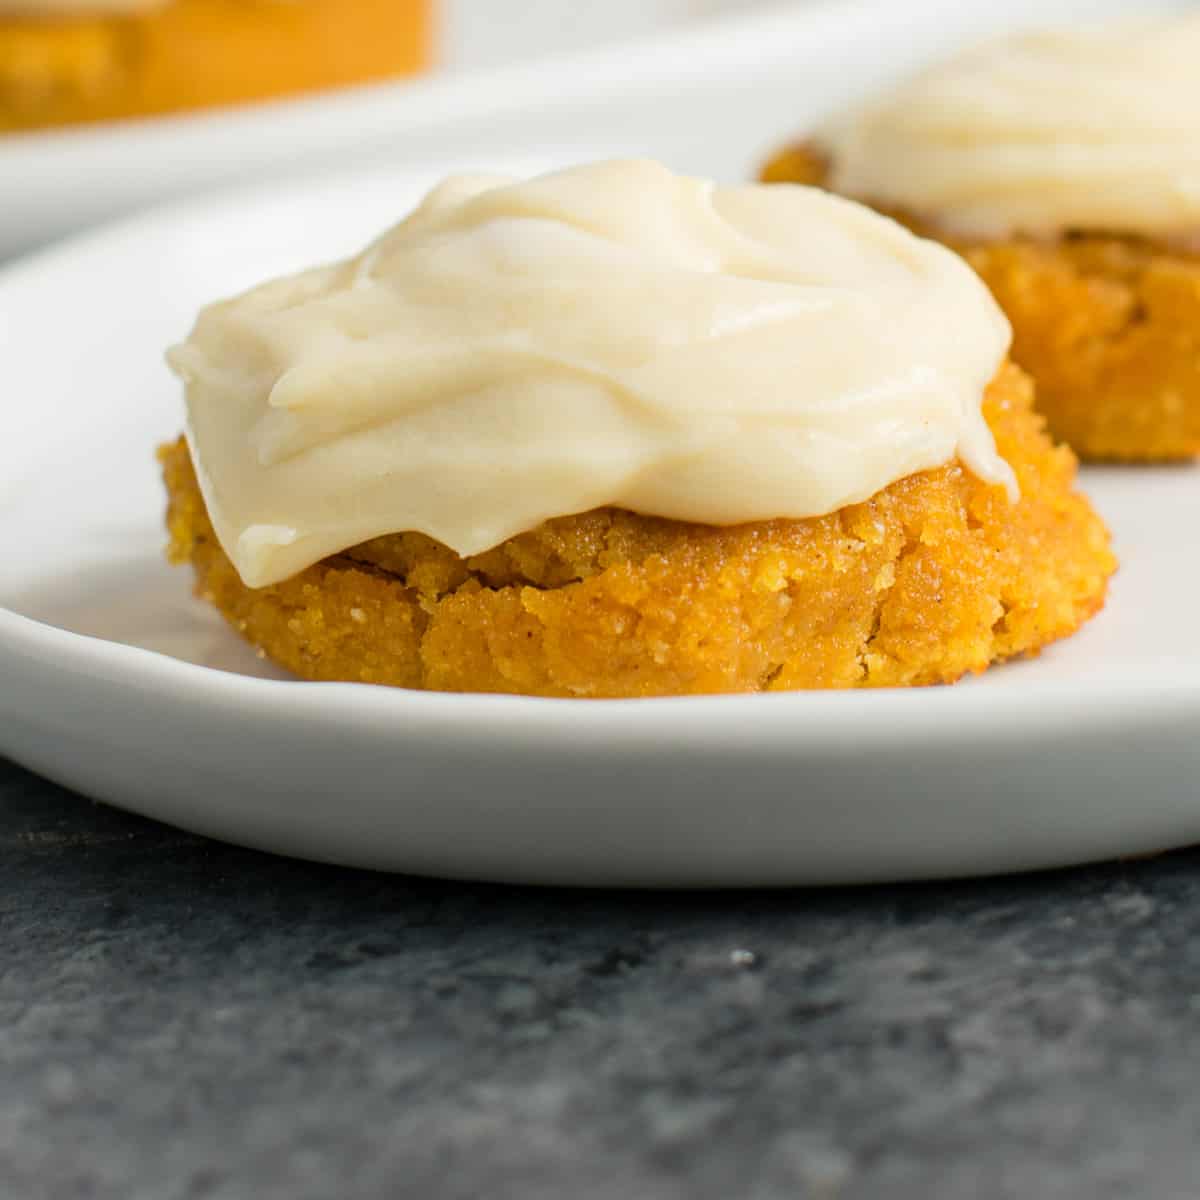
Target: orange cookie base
1109	327
198	53
936	576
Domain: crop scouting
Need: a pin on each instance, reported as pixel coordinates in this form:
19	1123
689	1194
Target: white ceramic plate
116	683
717	91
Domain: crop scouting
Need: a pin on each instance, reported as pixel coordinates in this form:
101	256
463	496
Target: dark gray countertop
181	1019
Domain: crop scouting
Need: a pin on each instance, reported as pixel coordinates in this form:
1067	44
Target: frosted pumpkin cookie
1066	167
69	62
614	432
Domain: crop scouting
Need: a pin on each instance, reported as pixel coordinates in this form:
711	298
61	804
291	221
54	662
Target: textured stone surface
183	1019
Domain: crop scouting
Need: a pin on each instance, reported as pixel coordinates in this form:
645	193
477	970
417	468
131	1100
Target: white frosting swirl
1093	129
608	335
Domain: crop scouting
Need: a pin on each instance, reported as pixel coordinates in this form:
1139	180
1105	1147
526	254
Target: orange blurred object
189	54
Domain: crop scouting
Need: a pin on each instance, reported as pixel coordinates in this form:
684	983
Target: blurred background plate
712	94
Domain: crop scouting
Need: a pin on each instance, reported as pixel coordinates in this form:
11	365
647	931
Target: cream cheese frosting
612	334
1095	128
